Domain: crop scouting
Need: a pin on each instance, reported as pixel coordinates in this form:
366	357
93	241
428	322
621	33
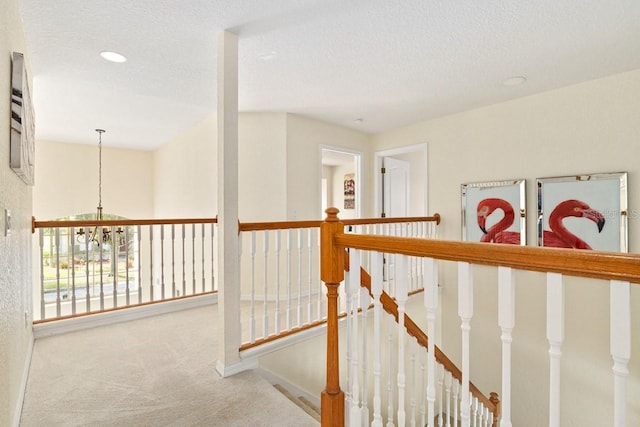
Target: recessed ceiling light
514	81
113	56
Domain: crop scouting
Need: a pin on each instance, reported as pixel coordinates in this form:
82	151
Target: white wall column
228	242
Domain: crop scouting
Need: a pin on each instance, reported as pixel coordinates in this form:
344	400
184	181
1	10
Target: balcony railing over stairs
618	270
280	261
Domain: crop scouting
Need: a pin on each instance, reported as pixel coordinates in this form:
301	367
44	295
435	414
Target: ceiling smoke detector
514	81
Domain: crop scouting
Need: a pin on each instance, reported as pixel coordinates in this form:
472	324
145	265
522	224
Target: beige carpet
157	371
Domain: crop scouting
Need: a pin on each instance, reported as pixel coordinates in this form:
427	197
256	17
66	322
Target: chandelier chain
100	132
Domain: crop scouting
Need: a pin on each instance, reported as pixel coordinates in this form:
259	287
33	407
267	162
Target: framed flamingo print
583	212
494	212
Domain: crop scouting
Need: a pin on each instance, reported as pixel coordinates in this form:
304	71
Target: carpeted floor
157	371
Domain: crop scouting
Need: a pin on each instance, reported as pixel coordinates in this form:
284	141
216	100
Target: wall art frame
583	212
350	191
22	137
494	212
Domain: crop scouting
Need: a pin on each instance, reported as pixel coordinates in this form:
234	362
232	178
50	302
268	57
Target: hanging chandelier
97	234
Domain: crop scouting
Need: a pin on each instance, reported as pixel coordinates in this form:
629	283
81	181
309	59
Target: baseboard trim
23	383
291	388
230	370
280	343
118	316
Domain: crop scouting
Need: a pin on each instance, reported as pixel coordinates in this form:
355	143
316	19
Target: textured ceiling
389	63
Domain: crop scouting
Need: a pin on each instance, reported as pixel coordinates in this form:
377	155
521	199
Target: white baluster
204	280
213	261
620	347
376	291
310	275
252	332
151	269
365	300
184	277
555	336
101	250
401	298
413	346
321	285
265	281
423	386
465	311
71	244
139	278
58	300
456	402
431	305
391	325
475	410
278	248
173	260
128	248
355	419
193	257
289	247
448	380
299	304
506	320
440	372
349	374
41	247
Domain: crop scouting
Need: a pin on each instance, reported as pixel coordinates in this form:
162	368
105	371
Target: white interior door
395	200
395	188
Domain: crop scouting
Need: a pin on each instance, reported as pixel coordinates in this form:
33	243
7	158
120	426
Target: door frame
358	172
377	165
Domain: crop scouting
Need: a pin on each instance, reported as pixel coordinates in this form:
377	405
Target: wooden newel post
332	273
495	399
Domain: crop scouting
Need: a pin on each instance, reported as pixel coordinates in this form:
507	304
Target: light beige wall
186	177
16	337
262	166
304	139
184	173
587	128
67	180
279	167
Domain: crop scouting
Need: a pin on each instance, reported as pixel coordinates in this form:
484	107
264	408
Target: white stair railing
418	393
460	402
280	264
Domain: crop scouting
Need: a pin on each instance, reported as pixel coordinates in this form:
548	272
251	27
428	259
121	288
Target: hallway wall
16	336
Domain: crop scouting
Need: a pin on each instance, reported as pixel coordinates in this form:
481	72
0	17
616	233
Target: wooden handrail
283	225
571	262
118	222
243	226
361	221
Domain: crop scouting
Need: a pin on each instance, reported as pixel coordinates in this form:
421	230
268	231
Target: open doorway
341	181
401	181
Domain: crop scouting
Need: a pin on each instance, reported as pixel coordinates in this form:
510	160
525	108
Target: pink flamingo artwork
498	232
559	236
